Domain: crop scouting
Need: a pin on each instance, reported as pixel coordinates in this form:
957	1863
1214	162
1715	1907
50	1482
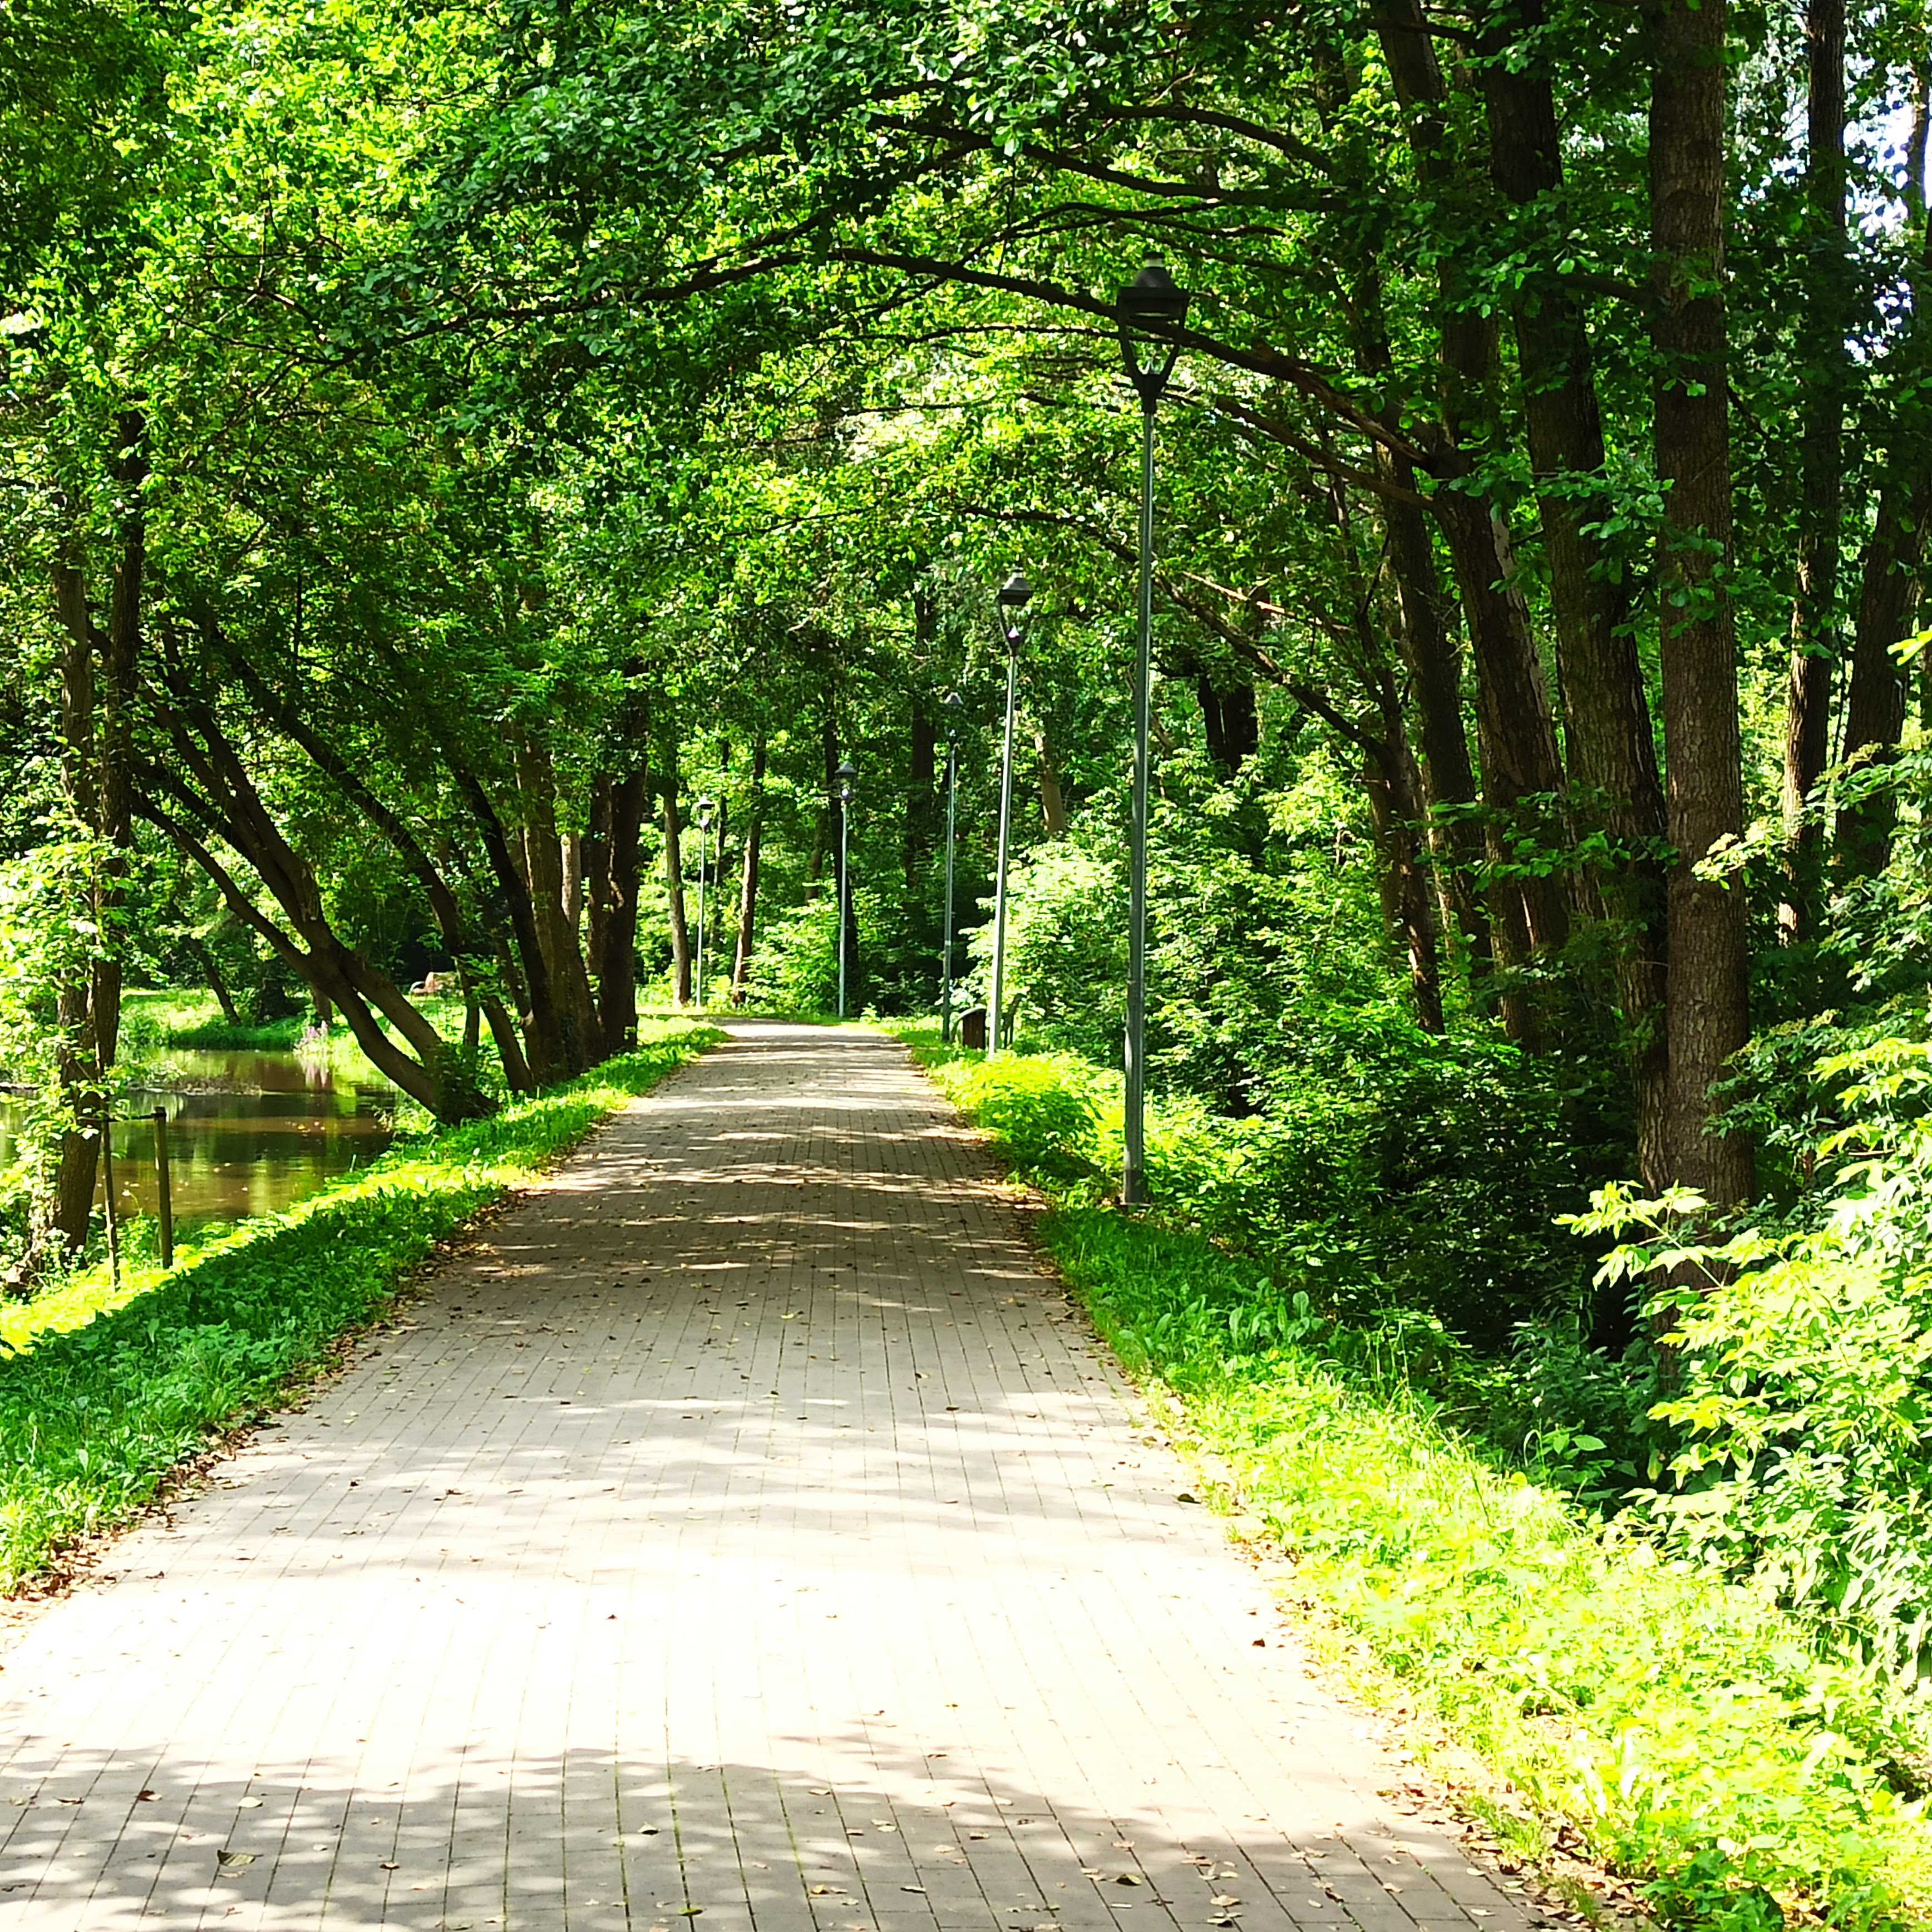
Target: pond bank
103	1392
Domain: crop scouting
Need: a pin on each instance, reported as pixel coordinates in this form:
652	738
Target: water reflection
248	1133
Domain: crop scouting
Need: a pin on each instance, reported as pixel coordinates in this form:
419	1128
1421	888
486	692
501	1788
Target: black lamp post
705	808
847	772
1147	308
954	710
1014	596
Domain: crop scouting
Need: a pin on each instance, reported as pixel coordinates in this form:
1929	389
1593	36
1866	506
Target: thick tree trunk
617	953
556	931
1516	732
524	970
61	1216
748	878
1709	1017
1875	704
1814	607
431	1074
97	671
1393	785
1612	773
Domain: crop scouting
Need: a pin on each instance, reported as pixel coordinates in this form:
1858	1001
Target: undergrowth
1703	1741
103	1391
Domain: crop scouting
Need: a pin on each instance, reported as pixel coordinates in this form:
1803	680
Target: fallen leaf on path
241	1803
912	1888
1223	1900
1129	1878
228	1861
390	1865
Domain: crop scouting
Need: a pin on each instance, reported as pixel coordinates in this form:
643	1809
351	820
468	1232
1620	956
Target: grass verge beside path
1693	1734
102	1393
159	1021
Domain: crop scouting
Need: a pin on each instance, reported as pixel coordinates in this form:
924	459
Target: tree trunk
95	756
1889	586
1516	737
673	861
216	980
1814	608
1230	721
1516	732
1430	656
748	880
1613	778
556	931
1708	1012
917	847
616	959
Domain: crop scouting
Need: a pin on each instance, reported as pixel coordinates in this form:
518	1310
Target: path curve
743	1531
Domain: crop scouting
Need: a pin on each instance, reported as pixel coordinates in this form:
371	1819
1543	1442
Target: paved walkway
744	1527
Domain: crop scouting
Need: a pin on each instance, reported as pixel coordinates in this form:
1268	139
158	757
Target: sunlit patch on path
745	1532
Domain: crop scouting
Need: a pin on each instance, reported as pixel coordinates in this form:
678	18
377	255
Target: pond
248	1132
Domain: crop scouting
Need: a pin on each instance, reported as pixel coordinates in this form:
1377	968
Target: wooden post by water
166	1197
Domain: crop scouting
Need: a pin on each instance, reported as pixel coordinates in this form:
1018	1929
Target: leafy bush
1803	1388
1410	1173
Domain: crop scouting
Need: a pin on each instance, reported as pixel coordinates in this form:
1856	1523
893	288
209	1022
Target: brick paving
742	1531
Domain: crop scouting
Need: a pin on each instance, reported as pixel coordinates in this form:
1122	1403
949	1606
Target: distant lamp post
1147	309
847	772
706	807
1014	596
954	710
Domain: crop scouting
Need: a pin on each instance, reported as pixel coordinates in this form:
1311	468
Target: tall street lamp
1147	309
847	772
705	808
954	710
1014	595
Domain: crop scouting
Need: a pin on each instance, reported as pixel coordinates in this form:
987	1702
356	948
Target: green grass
1696	1736
154	1022
103	1391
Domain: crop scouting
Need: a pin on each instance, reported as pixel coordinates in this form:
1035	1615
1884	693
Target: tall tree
1708	1010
